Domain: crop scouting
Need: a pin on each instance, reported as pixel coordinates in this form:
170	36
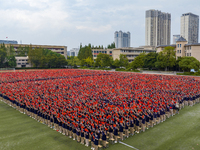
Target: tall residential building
190	27
122	39
157	28
175	38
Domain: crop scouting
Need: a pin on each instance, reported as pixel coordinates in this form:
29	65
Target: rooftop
181	39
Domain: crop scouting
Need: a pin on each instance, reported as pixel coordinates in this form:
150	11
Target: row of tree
44	58
164	60
38	57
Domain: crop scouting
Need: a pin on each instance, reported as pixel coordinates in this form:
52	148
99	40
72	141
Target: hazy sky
71	22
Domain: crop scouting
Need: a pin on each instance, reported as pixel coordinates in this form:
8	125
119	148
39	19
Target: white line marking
128	145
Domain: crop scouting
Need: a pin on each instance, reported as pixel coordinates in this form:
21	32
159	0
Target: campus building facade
190	27
95	52
157	28
23	61
132	52
183	49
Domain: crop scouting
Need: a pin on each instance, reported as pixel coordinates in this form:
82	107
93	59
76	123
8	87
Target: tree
73	61
85	52
22	51
138	61
112	45
177	67
123	61
11	61
188	63
150	60
89	62
40	57
116	63
103	60
166	58
3	55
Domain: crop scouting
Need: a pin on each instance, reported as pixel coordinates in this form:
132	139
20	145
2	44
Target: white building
74	51
122	39
190	27
22	62
157	28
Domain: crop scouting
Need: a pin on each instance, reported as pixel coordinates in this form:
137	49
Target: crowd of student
97	105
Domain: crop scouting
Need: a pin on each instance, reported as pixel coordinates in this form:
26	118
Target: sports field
20	132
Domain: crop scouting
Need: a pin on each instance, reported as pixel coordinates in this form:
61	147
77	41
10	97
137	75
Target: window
27	63
95	51
19	63
177	51
190	47
180	51
180	45
190	54
23	60
110	52
95	55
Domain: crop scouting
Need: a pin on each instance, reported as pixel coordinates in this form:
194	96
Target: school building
182	49
130	52
23	61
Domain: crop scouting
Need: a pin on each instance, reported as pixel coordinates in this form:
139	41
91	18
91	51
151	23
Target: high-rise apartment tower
190	27
157	28
122	39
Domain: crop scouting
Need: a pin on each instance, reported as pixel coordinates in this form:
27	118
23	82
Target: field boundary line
128	145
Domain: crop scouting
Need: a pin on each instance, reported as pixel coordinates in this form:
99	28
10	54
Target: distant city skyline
70	23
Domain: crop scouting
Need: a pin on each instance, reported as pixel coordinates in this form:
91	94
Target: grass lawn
20	132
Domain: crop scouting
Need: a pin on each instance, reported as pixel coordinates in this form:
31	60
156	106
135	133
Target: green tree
123	61
166	58
3	55
22	51
150	60
73	61
116	63
85	52
112	45
89	62
40	57
103	60
138	61
11	61
188	63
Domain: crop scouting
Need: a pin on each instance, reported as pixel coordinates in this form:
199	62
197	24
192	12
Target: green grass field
20	132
